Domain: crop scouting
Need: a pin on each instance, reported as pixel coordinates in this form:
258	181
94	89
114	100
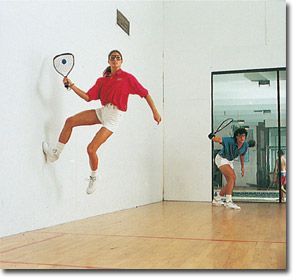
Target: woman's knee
91	149
70	122
231	177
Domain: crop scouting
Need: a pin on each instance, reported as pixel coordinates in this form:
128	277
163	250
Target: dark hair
107	71
113	52
281	152
240	131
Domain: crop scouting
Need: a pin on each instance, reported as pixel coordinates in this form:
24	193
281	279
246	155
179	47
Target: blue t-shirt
230	149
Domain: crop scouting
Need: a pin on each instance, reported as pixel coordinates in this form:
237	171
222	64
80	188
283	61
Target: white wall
202	37
34	105
197	37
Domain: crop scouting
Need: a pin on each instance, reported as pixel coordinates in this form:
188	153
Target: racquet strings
64	63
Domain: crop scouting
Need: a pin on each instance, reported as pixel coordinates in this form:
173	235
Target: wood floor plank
166	235
24	239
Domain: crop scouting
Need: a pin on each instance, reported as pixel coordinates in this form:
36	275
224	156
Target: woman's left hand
243	171
157	117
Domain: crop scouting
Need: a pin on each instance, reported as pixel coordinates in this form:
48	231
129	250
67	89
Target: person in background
281	169
233	147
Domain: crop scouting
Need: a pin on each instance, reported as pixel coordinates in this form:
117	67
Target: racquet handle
67	86
211	135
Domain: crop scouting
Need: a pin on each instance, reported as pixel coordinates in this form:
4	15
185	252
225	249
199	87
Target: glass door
256	100
282	137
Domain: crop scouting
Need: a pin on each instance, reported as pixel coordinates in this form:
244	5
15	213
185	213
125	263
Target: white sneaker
91	185
217	201
51	154
232	205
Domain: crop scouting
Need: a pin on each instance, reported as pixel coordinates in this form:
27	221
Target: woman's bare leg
88	117
229	174
102	135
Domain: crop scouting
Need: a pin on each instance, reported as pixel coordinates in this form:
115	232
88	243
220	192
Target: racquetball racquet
221	126
63	64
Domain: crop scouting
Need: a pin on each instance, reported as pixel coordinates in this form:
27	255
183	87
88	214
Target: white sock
60	147
228	197
94	173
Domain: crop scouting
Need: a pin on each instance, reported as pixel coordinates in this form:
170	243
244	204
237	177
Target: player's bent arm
242	161
80	92
152	106
76	89
217	139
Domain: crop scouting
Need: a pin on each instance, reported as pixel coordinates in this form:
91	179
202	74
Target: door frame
275	69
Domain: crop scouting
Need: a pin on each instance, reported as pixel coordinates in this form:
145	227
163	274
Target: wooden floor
166	235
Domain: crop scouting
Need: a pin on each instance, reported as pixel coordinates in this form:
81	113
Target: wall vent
123	22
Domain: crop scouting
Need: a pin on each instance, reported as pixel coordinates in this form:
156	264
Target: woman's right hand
67	82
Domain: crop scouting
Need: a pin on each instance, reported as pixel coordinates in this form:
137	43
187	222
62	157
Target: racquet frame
221	126
65	76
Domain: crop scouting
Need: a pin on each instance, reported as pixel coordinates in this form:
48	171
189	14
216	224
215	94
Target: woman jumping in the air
113	90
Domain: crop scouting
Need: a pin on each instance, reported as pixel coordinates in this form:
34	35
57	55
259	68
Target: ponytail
107	71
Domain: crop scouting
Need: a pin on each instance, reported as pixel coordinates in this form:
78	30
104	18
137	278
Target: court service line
33	243
52	264
174	238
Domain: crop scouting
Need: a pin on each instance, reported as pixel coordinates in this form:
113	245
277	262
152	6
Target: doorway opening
256	100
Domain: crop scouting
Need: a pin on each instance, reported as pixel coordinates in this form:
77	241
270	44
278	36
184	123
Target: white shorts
110	116
222	161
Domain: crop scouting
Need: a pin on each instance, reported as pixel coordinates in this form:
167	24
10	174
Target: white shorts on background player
222	161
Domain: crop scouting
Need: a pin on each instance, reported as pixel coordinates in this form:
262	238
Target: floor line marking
174	238
51	264
32	243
